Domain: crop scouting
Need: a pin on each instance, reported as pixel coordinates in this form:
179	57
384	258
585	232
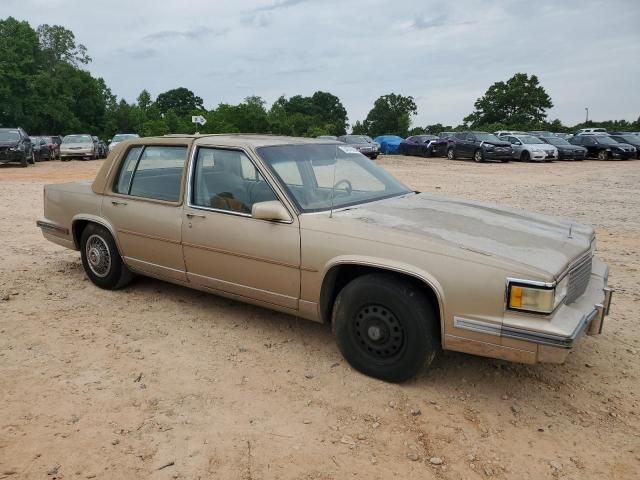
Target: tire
478	156
451	153
32	158
385	327
525	156
603	155
100	258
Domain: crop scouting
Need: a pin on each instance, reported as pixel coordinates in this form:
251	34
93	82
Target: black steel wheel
385	326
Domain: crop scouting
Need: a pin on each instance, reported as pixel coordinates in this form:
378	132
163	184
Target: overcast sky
446	54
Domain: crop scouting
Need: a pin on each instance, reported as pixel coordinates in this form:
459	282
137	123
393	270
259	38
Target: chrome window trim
191	175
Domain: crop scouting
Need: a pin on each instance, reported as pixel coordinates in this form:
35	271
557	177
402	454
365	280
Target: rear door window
153	172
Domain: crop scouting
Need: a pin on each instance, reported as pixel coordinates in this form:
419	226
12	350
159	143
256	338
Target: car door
225	248
516	149
144	206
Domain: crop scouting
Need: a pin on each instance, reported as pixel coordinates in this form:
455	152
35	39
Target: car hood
544	243
9	144
542	146
497	144
84	145
626	146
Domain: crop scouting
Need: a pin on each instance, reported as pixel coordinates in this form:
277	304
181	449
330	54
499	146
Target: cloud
278	5
141	54
192	34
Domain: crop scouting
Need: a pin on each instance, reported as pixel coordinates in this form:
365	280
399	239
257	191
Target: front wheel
525	157
385	327
603	155
478	156
451	153
101	260
32	159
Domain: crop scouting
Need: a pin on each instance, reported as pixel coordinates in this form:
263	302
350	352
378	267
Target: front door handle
113	202
193	215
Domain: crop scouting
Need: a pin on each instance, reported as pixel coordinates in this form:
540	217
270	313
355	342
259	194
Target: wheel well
340	275
77	228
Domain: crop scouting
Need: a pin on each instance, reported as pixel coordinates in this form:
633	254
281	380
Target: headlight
536	298
489	147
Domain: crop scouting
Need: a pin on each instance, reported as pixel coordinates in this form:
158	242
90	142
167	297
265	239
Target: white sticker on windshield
348	150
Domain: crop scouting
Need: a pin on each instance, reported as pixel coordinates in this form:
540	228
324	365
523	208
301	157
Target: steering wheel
349	188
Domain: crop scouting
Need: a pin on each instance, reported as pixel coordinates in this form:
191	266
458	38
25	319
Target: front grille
578	280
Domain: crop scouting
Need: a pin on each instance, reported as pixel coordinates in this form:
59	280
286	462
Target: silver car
528	148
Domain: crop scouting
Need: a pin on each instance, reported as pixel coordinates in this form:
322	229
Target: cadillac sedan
314	229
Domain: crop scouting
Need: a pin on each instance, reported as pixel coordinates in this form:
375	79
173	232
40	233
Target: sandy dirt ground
159	381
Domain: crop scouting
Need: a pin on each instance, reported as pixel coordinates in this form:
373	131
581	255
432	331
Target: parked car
440	145
566	136
389	144
421	145
53	142
566	150
629	139
81	146
121	137
501	133
541	133
591	130
528	148
480	146
100	145
15	146
327	137
603	147
283	223
40	149
363	143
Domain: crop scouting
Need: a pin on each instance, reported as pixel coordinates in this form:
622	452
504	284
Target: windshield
9	136
358	139
309	172
487	137
77	139
630	138
606	140
121	137
529	140
556	141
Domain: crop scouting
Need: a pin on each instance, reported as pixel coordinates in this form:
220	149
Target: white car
591	130
501	133
121	137
528	148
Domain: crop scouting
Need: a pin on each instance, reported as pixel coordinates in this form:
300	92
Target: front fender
391	266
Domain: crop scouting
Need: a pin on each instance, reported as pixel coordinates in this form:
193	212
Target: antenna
333	183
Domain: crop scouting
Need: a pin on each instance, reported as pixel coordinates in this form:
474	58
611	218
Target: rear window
153	172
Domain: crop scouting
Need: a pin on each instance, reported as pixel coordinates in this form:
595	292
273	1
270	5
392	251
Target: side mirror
272	211
517	143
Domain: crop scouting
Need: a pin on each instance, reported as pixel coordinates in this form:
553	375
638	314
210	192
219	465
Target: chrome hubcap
98	256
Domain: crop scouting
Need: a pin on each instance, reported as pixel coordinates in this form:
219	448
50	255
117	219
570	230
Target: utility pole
586	109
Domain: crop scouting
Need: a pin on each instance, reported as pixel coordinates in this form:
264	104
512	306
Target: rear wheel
478	155
101	260
385	327
451	153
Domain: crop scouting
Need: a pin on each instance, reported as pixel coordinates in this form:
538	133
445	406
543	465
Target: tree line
44	89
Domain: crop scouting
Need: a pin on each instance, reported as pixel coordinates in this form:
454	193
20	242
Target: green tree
520	102
144	100
390	115
18	63
181	101
58	45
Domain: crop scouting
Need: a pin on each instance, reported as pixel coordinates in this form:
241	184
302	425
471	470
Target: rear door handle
193	215
113	202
